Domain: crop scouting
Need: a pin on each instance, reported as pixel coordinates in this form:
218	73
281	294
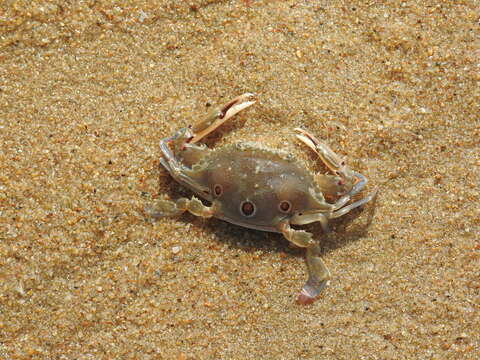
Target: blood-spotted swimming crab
260	188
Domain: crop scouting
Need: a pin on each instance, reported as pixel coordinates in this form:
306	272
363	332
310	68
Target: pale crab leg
311	218
298	237
221	114
178	207
176	169
328	156
352	206
318	274
335	164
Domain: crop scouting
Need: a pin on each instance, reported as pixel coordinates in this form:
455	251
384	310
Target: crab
260	188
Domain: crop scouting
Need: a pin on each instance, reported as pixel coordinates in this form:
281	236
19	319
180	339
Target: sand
88	89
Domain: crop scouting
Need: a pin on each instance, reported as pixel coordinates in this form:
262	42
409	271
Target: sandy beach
87	90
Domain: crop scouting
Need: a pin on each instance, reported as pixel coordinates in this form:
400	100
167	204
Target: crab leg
311	218
298	237
174	167
221	114
337	166
318	274
352	206
328	156
175	208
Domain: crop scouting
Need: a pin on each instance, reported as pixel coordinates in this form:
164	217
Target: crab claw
343	179
221	114
329	158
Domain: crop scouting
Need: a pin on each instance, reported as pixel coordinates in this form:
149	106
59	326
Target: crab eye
218	190
247	208
285	206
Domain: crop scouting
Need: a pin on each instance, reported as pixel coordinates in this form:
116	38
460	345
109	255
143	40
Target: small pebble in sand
176	249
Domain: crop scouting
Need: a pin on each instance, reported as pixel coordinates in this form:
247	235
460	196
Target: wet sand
87	91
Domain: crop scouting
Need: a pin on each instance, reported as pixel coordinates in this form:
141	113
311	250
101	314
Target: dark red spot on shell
218	190
247	208
285	206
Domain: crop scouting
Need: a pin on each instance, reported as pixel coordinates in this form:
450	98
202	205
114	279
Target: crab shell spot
285	206
218	190
247	208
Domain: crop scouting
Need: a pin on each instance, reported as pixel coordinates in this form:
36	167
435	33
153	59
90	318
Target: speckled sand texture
88	88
